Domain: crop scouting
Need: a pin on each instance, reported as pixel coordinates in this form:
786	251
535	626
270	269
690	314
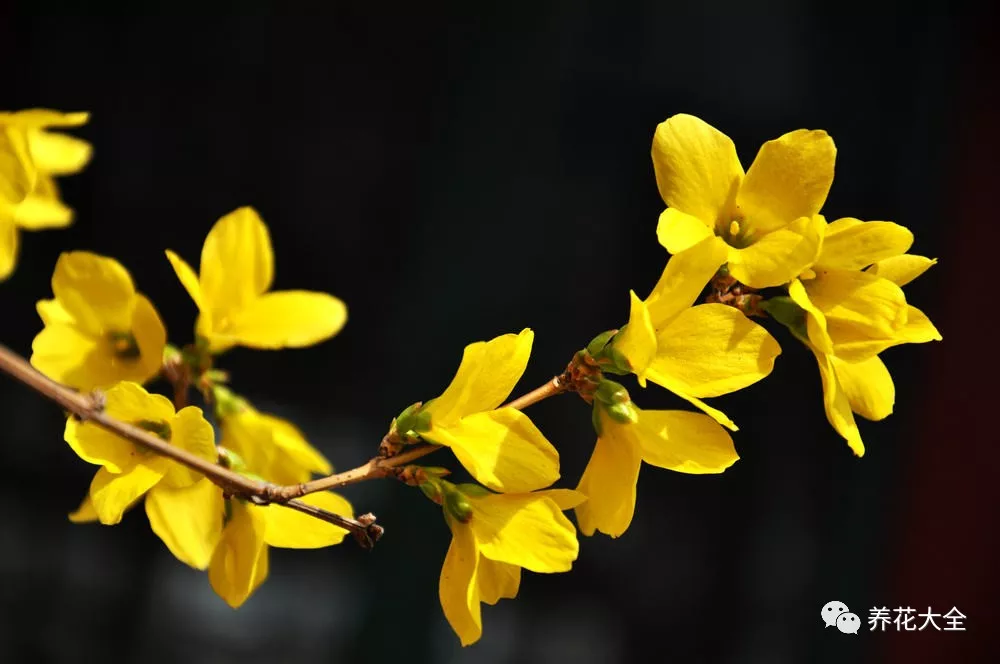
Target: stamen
734	227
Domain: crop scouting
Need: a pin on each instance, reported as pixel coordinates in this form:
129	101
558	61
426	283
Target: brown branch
89	408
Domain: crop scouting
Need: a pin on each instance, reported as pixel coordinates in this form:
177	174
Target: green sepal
227	402
597	344
784	310
610	392
230	459
625	413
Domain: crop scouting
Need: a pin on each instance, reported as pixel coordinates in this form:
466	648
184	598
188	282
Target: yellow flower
129	471
29	158
694	351
500	447
676	440
231	537
500	534
767	216
847	315
98	329
231	292
270	447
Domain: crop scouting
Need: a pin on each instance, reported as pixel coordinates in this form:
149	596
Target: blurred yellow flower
270	447
676	440
493	537
29	158
231	292
129	471
767	216
231	537
500	447
694	351
98	329
847	315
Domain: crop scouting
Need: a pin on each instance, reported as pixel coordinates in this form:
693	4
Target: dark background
455	172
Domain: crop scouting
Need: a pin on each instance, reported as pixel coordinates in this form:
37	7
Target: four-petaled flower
493	537
500	447
98	329
676	440
767	217
231	292
29	158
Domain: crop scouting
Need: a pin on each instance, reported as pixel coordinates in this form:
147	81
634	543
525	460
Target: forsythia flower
694	351
767	216
847	316
493	537
129	471
500	447
231	537
237	267
627	436
273	447
98	329
29	158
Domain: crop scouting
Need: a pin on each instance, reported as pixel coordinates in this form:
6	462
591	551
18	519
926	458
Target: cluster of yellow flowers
756	238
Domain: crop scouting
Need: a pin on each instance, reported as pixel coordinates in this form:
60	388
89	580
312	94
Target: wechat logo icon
836	614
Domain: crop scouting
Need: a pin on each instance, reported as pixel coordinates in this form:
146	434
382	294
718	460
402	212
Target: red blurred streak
949	512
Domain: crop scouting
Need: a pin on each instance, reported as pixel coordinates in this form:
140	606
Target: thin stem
551	388
90	408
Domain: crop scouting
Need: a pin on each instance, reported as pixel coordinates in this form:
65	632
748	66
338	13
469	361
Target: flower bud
610	392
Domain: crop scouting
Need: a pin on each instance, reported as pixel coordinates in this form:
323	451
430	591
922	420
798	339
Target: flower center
158	427
124	346
737	233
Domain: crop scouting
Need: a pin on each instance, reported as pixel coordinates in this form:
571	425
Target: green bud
598	343
227	402
625	413
230	459
435	471
432	489
723	270
407	420
610	392
784	310
457	506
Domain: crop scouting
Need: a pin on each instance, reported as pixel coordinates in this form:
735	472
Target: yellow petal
285	319
294	530
609	481
295	447
187	278
684	279
58	154
188	520
868	386
192	432
713	349
683	441
237	262
240	562
150	337
97	446
18	173
837	406
129	402
697	170
95	290
668	382
113	494
51	312
677	231
566	499
789	179
8	248
637	340
863	244
525	530
901	270
816	325
42	207
779	256
69	356
870	304
853	345
85	513
502	449
485	378
458	589
497	580
40	118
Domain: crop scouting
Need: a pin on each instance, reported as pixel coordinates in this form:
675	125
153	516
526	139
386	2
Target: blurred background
455	172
